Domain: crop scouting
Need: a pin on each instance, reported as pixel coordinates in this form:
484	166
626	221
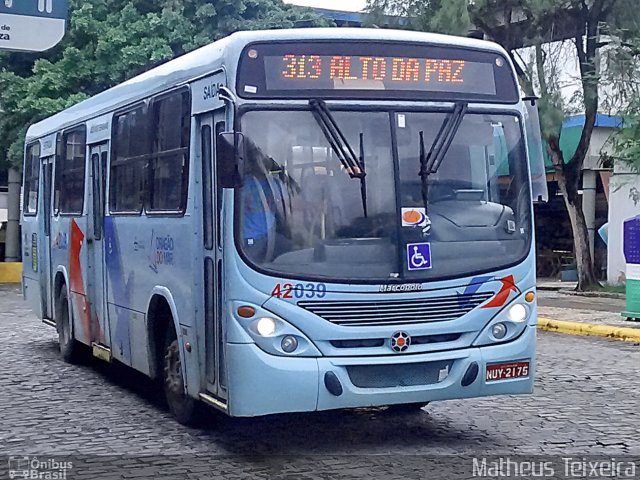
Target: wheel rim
65	331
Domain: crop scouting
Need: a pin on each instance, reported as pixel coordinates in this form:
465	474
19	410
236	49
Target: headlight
271	333
266	326
508	324
517	313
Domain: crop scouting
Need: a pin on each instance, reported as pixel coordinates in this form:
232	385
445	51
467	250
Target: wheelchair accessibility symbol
419	256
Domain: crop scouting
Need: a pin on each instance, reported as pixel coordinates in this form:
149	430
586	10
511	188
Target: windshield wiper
353	165
363	180
336	139
430	163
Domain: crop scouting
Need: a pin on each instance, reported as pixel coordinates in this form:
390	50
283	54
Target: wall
624	203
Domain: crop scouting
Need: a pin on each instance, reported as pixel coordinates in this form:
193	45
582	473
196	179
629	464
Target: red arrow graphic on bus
508	285
76	282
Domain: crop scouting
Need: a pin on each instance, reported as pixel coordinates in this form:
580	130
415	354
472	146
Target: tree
589	26
626	84
444	16
112	40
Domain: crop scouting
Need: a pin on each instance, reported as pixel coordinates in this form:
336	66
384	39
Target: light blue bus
295	220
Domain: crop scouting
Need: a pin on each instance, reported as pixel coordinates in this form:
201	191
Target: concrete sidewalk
585	315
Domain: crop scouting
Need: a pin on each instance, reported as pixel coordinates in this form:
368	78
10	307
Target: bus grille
398	375
397	312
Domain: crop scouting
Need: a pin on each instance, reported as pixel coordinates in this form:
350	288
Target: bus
295	220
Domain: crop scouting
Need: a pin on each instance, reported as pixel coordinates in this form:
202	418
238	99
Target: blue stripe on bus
121	291
473	286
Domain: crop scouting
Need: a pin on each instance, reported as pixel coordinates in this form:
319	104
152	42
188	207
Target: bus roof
225	52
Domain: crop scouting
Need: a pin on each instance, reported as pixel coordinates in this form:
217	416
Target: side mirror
230	155
537	168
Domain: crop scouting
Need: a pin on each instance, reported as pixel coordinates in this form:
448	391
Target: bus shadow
347	432
344	432
116	374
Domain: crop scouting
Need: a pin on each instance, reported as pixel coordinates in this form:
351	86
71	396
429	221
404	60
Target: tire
407	407
183	407
69	347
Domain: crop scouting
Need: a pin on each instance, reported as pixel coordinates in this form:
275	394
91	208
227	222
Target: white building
624	203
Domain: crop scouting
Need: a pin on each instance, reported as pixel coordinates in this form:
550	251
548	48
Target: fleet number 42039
299	290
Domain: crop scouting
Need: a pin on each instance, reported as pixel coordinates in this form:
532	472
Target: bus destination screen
375	70
357	72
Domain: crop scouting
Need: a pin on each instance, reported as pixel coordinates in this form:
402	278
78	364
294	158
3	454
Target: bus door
44	226
96	286
210	125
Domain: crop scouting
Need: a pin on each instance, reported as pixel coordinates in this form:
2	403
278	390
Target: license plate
503	371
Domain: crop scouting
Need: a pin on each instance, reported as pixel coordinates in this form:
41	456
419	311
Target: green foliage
110	41
452	18
442	16
626	141
622	75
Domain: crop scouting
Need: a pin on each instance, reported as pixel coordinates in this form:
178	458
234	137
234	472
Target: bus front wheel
69	348
182	406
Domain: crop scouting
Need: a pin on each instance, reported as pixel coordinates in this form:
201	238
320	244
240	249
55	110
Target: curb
548	288
10	272
595	294
570	291
625	334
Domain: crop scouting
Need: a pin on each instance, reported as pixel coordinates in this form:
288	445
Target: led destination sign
384	70
292	72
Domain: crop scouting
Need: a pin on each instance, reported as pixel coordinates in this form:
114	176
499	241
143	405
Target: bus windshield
300	214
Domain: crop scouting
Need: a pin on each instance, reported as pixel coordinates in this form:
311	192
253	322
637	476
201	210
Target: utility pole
12	250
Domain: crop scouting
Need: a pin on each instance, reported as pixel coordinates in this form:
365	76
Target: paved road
586	402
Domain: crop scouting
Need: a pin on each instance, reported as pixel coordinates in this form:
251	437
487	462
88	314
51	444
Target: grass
611	289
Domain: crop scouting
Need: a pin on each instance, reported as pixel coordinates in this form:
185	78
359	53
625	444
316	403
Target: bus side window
97	197
70	172
170	157
127	182
31	178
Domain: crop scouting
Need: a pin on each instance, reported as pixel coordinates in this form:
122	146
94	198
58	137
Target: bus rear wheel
183	407
69	348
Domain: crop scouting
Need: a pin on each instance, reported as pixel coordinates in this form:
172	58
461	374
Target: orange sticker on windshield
414	217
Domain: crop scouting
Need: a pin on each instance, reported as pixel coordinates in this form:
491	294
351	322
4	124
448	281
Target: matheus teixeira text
563	467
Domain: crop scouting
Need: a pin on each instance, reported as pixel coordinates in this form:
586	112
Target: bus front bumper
261	384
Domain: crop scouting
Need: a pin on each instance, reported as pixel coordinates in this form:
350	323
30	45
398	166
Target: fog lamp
499	330
266	326
289	343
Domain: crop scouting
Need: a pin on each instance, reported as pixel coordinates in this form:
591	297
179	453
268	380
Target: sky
346	5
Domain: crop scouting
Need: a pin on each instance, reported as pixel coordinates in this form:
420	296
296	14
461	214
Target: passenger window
170	157
70	172
31	177
127	185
